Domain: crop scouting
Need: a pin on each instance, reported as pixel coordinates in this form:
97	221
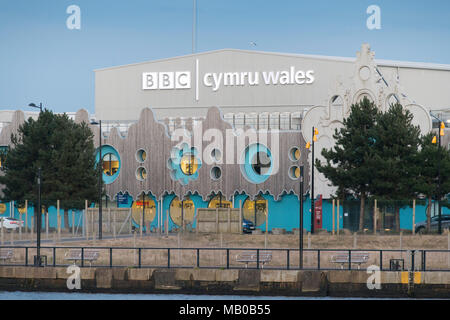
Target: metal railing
229	258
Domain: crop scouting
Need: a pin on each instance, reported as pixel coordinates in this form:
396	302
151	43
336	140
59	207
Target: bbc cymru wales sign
183	80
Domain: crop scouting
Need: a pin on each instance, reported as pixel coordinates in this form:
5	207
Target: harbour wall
262	282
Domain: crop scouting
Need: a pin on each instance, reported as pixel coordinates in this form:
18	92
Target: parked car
11	223
445	224
247	226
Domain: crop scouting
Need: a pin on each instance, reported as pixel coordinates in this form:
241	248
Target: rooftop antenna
194	27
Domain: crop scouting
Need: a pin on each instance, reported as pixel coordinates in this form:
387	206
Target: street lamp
100	180
37	260
315	133
32	105
301	217
440	134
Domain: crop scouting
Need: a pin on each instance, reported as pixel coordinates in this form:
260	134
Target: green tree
65	153
429	159
349	165
394	167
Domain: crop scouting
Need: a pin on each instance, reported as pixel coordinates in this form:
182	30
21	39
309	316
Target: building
229	128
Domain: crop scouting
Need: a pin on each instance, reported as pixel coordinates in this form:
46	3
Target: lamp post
100	180
32	105
301	218
310	145
37	260
441	134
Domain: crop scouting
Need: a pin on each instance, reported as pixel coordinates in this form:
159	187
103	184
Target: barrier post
333	222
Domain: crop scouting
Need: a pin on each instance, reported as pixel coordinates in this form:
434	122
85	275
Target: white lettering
271	77
74	280
231	79
73	21
207	80
310	76
374	21
217	80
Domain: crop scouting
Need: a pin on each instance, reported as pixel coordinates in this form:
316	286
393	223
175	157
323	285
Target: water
165	297
102	296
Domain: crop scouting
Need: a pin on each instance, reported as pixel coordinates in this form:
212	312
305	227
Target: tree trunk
397	218
430	201
66	220
361	212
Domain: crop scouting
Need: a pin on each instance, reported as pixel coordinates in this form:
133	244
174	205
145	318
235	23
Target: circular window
261	163
294	173
189	164
219	202
141	174
364	73
257	164
216	173
144	206
141	155
216	155
256	210
182	212
111	163
294	154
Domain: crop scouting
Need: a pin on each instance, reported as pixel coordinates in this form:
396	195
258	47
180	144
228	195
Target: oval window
182	212
111	164
257	163
189	164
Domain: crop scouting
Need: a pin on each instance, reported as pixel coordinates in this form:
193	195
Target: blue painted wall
282	214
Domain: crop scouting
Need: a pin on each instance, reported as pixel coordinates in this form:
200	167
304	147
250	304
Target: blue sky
43	61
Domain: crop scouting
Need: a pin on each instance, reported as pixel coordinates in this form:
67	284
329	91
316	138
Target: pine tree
64	151
349	165
429	159
396	148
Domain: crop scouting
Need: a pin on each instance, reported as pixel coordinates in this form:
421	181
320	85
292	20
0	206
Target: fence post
32	227
414	217
20	227
229	220
109	220
12	237
338	216
381	260
1	231
86	219
375	216
333	222
58	216
167	222
46	224
131	220
26	216
217	220
142	224
240	217
73	223
114	224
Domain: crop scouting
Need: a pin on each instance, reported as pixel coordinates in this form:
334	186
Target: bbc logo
166	80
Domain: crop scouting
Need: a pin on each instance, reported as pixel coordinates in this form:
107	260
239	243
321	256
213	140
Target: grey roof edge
379	62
